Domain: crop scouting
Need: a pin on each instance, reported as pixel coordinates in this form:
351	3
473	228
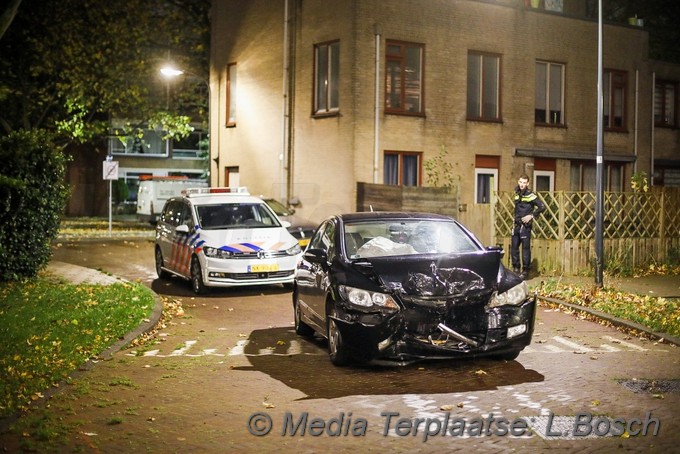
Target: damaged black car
401	287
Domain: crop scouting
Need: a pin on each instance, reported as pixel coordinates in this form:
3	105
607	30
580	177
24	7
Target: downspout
376	107
651	146
283	158
637	106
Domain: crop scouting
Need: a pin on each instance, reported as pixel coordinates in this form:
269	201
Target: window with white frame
486	183
150	143
483	86
326	78
549	108
544	180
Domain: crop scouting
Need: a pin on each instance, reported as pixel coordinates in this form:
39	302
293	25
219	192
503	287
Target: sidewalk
655	286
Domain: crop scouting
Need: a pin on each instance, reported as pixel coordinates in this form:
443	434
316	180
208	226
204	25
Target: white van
154	191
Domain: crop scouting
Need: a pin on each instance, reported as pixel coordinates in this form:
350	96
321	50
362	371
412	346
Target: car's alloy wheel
162	274
301	328
336	346
197	277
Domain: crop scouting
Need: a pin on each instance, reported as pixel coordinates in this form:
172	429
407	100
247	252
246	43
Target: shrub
33	195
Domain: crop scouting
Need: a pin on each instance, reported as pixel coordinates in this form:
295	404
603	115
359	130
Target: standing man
527	205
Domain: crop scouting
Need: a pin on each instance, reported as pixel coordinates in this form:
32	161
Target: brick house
313	98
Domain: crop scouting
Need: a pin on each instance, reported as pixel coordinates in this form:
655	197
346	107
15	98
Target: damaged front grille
453	323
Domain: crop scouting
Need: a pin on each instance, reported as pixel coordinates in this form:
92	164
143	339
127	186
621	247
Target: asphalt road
232	368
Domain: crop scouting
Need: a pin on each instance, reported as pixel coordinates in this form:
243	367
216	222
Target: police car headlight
295	250
216	253
514	297
364	298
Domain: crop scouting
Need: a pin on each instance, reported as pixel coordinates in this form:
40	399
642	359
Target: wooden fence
638	229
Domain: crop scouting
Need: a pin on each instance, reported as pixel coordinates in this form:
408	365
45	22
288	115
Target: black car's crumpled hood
436	275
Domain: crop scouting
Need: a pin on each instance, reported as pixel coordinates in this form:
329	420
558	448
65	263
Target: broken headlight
364	298
514	297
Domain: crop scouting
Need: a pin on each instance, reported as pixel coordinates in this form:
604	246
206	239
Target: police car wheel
197	284
162	274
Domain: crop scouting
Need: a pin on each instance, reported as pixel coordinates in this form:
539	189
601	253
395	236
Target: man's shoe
524	275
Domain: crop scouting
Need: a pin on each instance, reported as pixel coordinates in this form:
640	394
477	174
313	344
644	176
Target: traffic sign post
110	172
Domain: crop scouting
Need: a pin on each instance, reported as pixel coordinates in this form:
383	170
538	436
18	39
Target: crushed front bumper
373	336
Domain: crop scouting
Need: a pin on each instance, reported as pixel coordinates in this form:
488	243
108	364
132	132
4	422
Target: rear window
405	237
235	216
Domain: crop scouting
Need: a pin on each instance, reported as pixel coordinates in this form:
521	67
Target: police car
223	237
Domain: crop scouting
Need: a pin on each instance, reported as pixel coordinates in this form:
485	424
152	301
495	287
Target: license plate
303	242
263	268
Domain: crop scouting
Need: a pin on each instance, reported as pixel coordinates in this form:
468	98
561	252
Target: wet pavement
215	378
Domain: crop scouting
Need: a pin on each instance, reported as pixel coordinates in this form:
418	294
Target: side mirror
315	256
182	228
285	224
498	249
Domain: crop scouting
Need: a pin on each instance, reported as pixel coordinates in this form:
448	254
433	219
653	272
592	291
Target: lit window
231	94
665	103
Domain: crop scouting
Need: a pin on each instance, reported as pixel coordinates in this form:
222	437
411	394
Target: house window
549	93
231	94
326	77
614	84
584	176
544	180
402	168
483	87
194	146
404	78
486	177
665	102
150	143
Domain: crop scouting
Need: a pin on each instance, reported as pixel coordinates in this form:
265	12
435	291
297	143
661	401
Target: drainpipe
283	158
653	137
376	106
637	105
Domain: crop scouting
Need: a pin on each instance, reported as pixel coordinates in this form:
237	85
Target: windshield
279	208
387	237
235	216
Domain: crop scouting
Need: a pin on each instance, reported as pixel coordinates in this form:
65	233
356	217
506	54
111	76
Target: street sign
110	170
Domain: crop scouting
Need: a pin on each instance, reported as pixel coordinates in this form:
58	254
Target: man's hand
526	219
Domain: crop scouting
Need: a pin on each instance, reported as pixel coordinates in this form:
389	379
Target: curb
146	326
616	321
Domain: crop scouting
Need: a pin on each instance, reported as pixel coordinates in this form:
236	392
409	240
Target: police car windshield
235	216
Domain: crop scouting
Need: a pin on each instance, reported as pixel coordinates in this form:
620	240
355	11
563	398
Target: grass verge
658	314
49	328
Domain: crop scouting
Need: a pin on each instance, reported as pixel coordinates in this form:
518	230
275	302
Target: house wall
329	155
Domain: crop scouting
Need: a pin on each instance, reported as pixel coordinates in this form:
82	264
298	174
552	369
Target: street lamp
170	72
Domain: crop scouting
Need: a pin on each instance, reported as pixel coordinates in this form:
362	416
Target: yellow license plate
303	242
263	268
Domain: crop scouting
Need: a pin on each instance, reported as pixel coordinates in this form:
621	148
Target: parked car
409	286
300	228
154	191
223	237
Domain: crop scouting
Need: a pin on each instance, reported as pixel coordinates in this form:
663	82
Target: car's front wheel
197	284
301	328
162	274
336	345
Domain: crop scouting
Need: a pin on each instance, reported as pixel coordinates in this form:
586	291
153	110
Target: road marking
181	351
627	344
574	345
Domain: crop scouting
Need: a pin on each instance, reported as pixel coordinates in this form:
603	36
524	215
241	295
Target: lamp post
599	170
170	72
